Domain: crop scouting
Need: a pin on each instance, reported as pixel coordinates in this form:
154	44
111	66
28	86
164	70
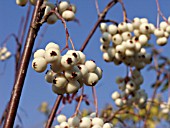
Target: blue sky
36	90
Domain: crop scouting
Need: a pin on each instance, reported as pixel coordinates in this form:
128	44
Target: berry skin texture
68	15
52	55
162	41
99	72
91	65
64	125
49	76
39	53
117	39
52	19
73	74
7	54
39	64
115	95
103	27
60	81
72	86
68	61
74	121
91	79
52	45
59	91
119	102
3	50
61	118
106	37
63	5
75	54
85	122
143	39
33	2
97	121
159	32
82	57
83	69
108	125
21	2
112	29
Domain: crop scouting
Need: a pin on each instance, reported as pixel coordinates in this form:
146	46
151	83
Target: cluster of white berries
64	8
128	41
69	72
165	107
131	92
90	121
4	53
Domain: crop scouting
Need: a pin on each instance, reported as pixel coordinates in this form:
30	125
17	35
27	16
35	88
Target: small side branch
53	111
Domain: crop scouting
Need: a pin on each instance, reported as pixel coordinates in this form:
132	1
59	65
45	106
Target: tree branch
53	111
21	74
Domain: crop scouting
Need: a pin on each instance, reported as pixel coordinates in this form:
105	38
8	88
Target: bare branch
21	74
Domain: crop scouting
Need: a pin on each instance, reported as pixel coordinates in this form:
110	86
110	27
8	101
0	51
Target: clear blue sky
36	90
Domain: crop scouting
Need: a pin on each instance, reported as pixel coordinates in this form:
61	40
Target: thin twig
79	103
21	26
160	12
97	7
101	17
95	100
124	11
21	74
53	111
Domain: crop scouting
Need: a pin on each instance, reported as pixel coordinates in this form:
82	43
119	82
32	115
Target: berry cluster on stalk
90	121
128	41
4	54
131	92
64	8
69	72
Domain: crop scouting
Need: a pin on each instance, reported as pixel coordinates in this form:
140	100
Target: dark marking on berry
53	53
74	74
136	39
69	61
93	61
128	34
75	55
79	67
147	27
94	83
35	65
81	121
131	41
54	81
131	85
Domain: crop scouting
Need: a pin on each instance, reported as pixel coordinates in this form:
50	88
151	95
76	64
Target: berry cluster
68	72
90	121
4	53
64	8
129	39
131	92
165	107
